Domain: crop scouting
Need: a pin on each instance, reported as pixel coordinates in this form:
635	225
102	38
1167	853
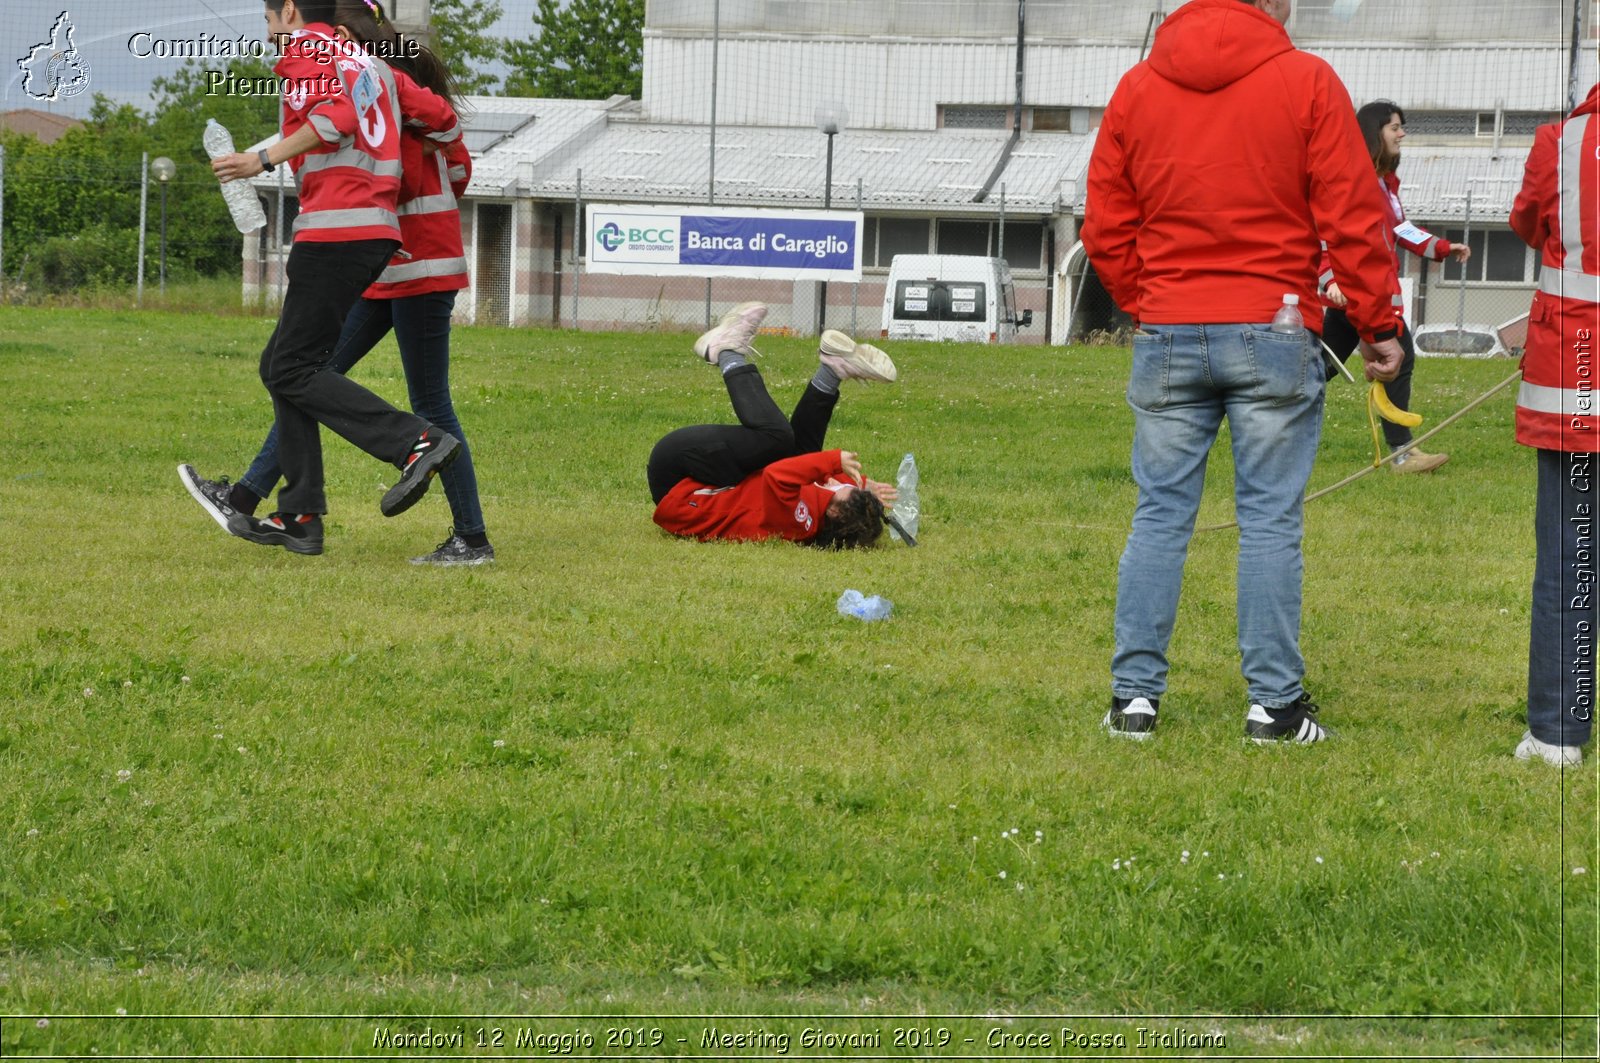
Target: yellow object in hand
1379	396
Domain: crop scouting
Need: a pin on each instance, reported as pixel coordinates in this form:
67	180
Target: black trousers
720	455
1342	339
325	280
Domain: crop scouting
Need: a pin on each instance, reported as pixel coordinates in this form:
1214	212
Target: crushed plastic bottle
864	607
907	507
1288	320
240	196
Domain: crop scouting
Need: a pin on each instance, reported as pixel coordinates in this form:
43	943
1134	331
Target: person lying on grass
768	476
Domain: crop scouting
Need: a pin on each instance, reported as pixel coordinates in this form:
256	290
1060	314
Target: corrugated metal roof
554	126
899	84
786	167
1418	20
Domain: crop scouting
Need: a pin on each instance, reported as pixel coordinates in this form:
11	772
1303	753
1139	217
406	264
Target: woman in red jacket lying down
768	476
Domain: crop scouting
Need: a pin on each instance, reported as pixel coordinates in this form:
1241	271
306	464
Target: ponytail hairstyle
1372	118
856	520
371	28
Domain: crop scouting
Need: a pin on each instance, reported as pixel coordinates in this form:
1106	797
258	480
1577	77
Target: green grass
622	774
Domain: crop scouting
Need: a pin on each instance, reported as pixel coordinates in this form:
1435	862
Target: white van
964	298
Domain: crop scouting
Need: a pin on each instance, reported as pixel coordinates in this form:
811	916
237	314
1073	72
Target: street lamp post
830	117
163	168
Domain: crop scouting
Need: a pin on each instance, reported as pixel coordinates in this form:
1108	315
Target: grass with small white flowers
617	774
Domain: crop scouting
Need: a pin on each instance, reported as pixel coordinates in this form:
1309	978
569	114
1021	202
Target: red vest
1557	212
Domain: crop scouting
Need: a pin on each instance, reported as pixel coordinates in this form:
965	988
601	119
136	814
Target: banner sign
713	242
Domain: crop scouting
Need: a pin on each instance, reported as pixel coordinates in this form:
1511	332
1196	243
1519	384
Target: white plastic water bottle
1288	320
853	603
907	506
240	196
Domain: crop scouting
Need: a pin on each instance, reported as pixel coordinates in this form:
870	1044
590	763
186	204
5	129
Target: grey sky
103	29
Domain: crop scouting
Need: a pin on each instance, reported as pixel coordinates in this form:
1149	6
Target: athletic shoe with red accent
299	533
433	450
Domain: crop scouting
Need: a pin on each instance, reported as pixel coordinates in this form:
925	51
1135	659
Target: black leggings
720	455
1341	338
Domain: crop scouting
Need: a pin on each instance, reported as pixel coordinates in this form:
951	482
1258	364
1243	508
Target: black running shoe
297	533
456	551
1293	723
211	494
433	450
1131	717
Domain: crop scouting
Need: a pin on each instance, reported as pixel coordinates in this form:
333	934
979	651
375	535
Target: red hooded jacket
783	500
1557	212
1223	161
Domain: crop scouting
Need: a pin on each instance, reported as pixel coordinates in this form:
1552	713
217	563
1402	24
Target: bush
97	256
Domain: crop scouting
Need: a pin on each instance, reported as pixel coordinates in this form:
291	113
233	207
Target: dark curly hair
856	520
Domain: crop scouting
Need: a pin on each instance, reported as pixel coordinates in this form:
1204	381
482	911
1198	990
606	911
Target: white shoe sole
184	472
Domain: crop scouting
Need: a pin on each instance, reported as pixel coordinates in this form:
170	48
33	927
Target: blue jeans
421	325
1185	379
1566	600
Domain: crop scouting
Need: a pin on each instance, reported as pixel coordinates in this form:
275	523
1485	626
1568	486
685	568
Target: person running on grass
768	477
341	119
415	297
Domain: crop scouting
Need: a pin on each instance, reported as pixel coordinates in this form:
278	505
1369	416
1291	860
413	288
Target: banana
1388	410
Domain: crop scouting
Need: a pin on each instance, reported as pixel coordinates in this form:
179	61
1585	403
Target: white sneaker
849	360
1560	756
733	333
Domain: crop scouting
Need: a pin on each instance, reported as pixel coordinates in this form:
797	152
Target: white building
933	154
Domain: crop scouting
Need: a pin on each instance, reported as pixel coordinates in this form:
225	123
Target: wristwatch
266	163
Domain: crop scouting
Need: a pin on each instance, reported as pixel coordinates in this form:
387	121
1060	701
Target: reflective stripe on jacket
1557	212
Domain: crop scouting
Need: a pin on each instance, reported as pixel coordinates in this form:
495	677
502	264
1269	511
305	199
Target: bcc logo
612	236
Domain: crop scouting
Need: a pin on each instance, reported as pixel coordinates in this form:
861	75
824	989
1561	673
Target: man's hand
239	164
1383	359
1460	252
886	493
850	465
1335	296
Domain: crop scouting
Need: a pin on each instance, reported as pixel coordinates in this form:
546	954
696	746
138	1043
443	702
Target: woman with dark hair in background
1383	126
414	296
768	477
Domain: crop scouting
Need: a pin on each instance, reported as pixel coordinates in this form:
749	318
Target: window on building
963	237
1024	243
1523	123
1488	123
961	116
1498	257
897	236
1065	119
1443	123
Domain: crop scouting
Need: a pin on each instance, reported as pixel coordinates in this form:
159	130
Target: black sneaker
297	533
455	551
211	494
1292	723
1131	717
432	451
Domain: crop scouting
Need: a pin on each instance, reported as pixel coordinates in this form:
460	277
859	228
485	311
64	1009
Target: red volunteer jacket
431	257
349	186
1413	238
784	501
1222	162
1557	212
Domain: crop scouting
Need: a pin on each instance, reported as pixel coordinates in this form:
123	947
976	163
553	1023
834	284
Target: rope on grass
1386	459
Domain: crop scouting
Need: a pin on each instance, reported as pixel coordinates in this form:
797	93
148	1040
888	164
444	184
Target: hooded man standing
1222	164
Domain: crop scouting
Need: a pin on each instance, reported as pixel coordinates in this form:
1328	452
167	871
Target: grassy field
637	779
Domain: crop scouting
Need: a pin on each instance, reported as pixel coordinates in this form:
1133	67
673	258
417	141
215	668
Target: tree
588	50
461	41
